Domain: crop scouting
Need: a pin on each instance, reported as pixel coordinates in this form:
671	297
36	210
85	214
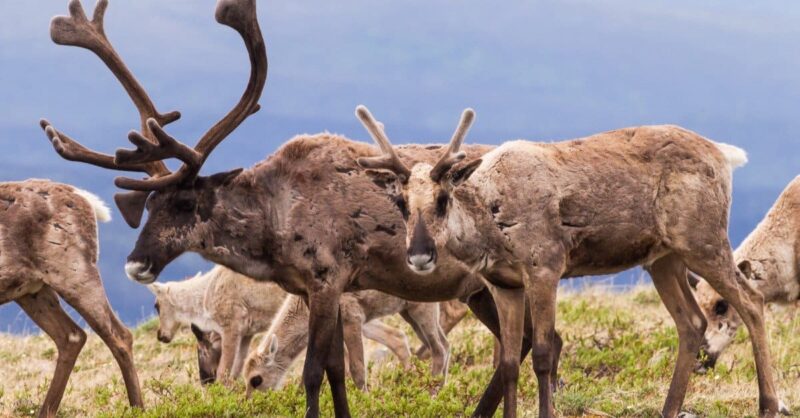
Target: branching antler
77	30
153	144
241	16
454	154
388	160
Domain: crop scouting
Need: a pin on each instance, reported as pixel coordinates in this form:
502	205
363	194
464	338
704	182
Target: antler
77	30
388	160
453	154
241	16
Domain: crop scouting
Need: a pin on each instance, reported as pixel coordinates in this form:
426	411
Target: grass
618	356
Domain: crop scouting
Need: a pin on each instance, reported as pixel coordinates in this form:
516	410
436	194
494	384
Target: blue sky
729	70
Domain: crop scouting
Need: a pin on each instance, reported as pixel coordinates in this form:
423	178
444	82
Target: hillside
618	356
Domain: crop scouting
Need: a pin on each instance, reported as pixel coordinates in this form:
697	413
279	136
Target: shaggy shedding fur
532	213
48	249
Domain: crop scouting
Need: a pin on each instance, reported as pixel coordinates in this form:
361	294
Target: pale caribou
528	214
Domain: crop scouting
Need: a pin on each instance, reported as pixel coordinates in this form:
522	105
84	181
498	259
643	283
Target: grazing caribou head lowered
177	201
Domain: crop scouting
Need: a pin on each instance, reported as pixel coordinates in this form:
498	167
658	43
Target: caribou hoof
687	415
783	409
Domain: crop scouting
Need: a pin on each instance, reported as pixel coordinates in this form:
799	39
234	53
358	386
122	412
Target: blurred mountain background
543	70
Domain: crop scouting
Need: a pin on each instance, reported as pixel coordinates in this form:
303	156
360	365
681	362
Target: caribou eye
401	204
721	308
441	203
158	309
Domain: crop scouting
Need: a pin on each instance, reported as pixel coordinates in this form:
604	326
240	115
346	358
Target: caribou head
423	193
177	202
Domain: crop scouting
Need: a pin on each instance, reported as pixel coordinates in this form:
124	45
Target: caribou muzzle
421	255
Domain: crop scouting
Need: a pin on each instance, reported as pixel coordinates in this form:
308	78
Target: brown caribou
48	249
528	214
308	215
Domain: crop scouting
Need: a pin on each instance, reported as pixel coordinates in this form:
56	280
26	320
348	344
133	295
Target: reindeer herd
327	235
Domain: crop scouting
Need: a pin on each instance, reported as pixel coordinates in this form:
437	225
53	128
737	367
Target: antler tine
454	154
165	147
71	150
241	16
77	30
388	160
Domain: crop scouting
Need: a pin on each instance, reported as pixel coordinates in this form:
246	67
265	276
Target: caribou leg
510	304
87	296
241	355
392	338
541	288
46	311
668	275
424	319
353	329
719	270
324	334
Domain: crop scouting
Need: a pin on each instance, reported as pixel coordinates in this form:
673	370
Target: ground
618	356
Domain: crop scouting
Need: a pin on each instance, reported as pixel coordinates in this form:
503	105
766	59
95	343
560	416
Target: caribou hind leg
668	275
719	270
425	322
88	297
46	311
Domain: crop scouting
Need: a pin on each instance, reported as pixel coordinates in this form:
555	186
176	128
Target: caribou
266	367
308	217
48	249
769	259
527	214
234	306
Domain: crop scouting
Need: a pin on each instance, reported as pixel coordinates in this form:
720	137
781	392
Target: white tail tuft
101	211
736	156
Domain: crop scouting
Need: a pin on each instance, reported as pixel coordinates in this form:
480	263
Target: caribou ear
693	280
746	268
198	333
459	175
273	345
131	206
225	177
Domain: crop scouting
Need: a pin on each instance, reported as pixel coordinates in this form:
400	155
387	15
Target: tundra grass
619	350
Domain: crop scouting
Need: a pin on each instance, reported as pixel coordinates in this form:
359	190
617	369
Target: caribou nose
256	381
161	337
139	271
422	262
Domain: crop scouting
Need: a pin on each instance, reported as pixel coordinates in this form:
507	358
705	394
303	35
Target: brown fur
312	217
533	213
48	249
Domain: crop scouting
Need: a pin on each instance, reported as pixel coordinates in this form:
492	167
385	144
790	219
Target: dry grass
617	360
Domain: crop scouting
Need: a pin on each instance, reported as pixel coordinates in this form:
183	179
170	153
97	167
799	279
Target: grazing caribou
228	303
308	217
528	214
286	339
769	259
48	249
